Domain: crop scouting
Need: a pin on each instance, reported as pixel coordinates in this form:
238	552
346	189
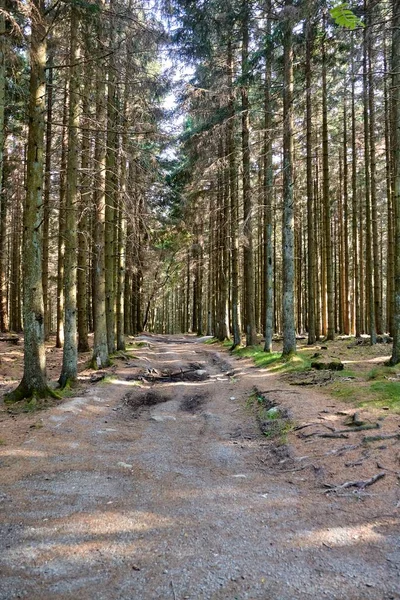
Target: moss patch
272	419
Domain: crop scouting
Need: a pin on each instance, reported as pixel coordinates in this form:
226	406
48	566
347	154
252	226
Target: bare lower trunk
100	347
327	208
248	258
310	190
70	351
34	381
3	197
268	195
289	333
61	226
396	192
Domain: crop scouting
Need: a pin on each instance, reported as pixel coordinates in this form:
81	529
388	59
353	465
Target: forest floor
189	473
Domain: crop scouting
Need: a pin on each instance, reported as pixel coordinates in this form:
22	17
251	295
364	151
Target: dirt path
103	497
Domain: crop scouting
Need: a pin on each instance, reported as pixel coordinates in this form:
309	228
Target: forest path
183	498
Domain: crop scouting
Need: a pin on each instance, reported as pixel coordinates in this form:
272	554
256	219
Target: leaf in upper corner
344	16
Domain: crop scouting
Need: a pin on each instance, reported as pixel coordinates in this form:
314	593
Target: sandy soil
159	484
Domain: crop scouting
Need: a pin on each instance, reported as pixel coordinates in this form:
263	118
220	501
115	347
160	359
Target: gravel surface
160	485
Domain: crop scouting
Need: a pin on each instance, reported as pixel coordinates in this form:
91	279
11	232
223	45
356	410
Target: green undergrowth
214	340
137	345
382	372
273	361
34	404
107	379
272	419
379	394
377	388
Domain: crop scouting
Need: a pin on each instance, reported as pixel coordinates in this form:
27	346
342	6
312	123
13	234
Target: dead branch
380	438
361	485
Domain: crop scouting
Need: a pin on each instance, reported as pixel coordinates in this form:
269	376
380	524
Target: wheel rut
150	486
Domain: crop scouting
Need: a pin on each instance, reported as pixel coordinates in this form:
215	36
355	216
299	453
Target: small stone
162	418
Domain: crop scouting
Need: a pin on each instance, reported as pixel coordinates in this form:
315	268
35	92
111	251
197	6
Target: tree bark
110	191
369	274
100	348
69	370
83	220
46	195
4	321
234	207
395	358
248	258
268	191
310	189
326	203
289	332
34	380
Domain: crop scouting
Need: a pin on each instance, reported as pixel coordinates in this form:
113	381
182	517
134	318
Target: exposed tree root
361	485
25	392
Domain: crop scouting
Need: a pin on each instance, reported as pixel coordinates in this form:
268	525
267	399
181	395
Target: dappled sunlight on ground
337	536
22	452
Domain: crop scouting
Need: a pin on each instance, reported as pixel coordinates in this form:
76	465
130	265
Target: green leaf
344	17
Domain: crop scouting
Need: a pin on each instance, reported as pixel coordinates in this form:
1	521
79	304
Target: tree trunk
46	195
369	256
356	312
248	259
70	350
111	188
34	380
374	212
100	347
395	358
326	203
289	332
310	189
234	206
83	222
268	191
61	224
4	323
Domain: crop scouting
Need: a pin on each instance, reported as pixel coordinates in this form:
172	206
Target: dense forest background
274	211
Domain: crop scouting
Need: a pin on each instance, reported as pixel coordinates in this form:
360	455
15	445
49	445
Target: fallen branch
342	450
173	589
322	434
380	466
360	428
361	485
380	438
334	435
299	427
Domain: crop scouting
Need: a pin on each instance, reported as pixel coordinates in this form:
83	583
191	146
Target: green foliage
273	421
387	393
89	7
381	372
344	17
376	395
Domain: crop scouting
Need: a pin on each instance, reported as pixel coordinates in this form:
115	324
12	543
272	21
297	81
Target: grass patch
107	379
381	372
345	373
376	395
387	393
